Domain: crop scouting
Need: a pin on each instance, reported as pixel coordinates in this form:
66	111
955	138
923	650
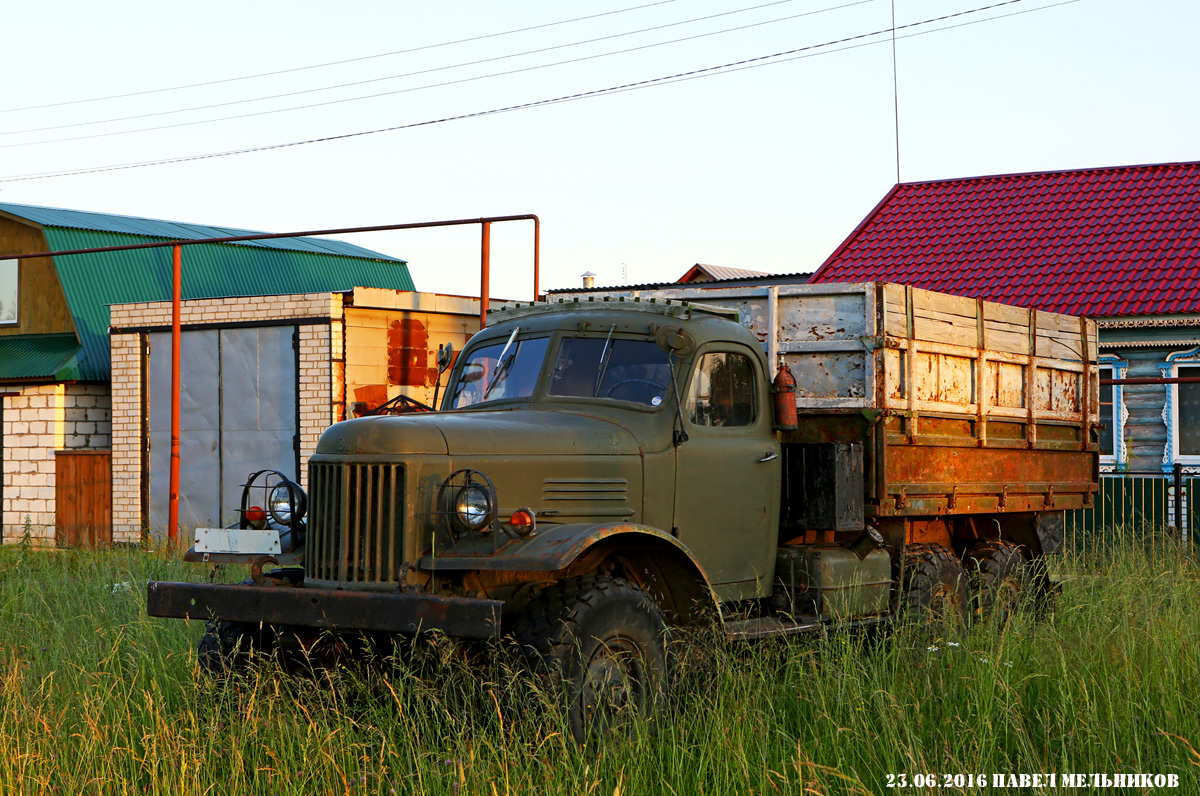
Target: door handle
770	455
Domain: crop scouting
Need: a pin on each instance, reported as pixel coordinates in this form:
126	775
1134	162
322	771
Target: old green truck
606	467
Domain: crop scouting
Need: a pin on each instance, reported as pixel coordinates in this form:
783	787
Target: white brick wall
316	379
39	420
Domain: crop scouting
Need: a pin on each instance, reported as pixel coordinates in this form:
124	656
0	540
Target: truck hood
500	431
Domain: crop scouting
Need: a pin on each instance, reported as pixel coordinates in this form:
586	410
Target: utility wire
735	66
334	63
410	74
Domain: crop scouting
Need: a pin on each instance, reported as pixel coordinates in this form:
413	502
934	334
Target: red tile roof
1100	242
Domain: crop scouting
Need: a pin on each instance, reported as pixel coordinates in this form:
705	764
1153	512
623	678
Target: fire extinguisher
784	390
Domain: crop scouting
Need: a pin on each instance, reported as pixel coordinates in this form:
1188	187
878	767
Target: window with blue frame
1183	408
1112	414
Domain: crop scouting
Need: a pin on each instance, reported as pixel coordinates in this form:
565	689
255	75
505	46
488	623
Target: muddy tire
933	587
228	647
998	574
601	646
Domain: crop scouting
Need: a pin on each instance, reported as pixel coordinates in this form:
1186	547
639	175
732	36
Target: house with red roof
1118	244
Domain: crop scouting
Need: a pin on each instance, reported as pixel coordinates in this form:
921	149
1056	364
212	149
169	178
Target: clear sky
766	168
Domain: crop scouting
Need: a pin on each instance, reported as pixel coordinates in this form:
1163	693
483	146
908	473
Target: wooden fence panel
83	497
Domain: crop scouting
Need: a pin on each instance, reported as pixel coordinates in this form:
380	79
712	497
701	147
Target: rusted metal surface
284	559
327	608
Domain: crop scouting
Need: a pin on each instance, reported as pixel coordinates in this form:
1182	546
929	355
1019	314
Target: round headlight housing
473	507
284	497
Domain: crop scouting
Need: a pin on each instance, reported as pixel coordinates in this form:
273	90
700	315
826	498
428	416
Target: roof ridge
1049	172
131	217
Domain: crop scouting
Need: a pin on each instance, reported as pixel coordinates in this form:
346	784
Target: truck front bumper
459	617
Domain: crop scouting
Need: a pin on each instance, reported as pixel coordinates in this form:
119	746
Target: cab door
728	472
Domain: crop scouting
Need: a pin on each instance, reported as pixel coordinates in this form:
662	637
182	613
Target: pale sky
765	168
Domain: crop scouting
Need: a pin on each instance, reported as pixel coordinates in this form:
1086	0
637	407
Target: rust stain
368	398
408	354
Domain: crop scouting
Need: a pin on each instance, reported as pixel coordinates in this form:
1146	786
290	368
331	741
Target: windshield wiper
605	355
503	364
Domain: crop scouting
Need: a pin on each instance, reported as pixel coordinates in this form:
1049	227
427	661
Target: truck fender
656	560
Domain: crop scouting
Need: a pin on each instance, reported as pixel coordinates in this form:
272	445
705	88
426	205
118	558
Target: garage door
238	408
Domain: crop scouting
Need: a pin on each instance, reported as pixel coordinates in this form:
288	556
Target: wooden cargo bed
962	405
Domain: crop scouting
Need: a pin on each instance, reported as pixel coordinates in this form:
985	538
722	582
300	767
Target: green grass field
95	697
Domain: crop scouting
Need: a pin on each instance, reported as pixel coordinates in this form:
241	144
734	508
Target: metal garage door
238	409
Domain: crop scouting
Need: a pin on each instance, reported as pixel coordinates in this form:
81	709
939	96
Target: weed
95	697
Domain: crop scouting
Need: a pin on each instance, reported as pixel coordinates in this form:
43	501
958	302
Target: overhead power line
430	70
334	63
735	66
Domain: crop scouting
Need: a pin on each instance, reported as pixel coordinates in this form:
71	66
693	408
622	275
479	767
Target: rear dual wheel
999	575
933	587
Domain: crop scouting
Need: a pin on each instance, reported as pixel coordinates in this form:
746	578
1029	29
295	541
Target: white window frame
1170	414
1117	462
15	265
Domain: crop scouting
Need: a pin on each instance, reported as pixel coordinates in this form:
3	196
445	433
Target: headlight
473	505
284	496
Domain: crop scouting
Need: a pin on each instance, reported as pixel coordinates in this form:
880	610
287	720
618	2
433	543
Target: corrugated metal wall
238	406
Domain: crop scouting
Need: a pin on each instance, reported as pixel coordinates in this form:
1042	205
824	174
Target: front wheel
228	647
602	644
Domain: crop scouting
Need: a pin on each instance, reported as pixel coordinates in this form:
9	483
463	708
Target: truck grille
356	523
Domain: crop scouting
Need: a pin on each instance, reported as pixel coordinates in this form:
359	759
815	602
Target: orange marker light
522	519
256	514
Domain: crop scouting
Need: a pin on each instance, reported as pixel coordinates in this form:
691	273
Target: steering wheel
649	390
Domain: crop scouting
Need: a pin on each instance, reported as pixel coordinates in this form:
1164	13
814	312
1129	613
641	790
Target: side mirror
472	371
445	356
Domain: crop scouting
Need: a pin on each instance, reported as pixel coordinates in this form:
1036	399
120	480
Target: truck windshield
492	373
618	369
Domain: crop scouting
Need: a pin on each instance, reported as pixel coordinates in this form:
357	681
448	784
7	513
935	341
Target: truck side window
722	391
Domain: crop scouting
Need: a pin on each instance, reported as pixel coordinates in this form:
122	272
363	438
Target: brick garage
354	351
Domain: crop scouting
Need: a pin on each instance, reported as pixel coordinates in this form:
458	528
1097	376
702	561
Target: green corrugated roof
92	282
39	356
177	230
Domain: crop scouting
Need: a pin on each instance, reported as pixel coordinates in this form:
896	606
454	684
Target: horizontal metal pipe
1150	380
275	235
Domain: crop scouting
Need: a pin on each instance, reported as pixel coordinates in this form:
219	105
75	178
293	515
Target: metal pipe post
173	489
485	275
1177	472
537	254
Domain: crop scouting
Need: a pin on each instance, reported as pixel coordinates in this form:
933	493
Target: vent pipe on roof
589	279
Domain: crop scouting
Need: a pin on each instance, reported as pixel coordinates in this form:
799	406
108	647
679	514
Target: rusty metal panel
327	608
825	486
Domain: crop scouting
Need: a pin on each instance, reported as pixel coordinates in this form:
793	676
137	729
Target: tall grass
95	697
